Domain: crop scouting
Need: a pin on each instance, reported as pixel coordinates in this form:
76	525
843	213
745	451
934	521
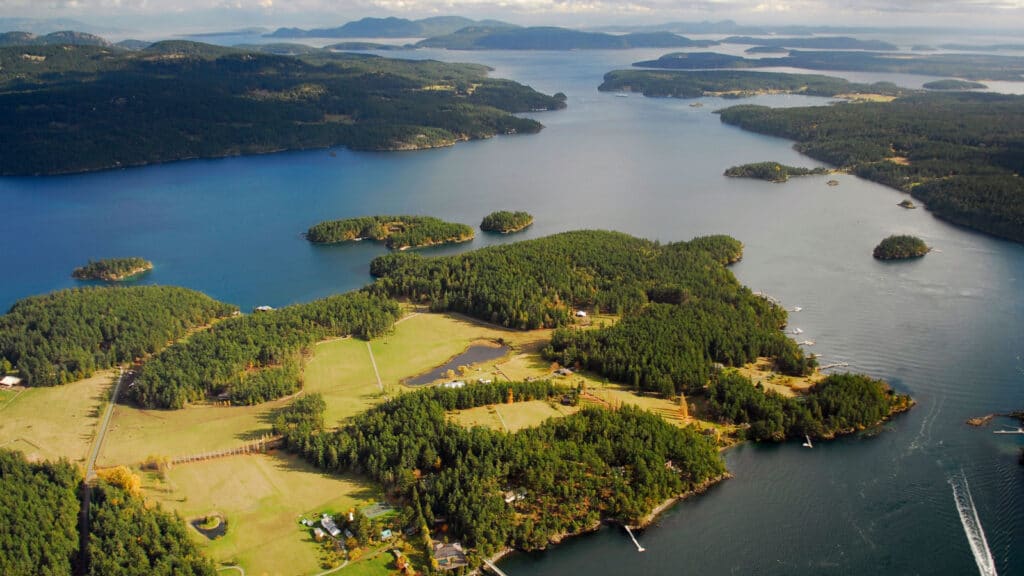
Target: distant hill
251	31
554	38
65	37
133	44
47	25
817	42
389	28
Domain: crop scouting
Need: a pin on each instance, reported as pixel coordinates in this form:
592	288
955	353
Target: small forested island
737	84
900	247
245	101
956	151
771	171
908	204
506	222
953	84
40	504
112	269
66	335
397	232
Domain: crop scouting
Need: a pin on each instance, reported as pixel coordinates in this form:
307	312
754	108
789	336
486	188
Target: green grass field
263	497
511	417
57	422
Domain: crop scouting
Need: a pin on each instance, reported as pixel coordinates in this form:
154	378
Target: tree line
66	335
257	357
571	472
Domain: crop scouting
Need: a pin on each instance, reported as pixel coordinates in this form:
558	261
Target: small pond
473	355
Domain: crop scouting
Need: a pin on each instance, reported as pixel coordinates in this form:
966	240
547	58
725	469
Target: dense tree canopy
65	335
257	357
572	472
128	539
398	232
961	153
900	247
38	517
82	108
505	221
839	404
112	269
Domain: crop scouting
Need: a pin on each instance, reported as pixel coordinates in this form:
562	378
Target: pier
639	548
494	568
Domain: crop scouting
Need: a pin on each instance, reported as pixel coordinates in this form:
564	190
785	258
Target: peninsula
738	84
397	232
506	222
771	171
957	152
900	247
243	101
112	269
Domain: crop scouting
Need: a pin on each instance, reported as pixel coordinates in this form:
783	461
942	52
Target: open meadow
262	497
55	422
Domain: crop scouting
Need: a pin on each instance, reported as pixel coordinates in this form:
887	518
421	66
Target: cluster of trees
505	221
539	283
840	404
670	347
398	232
961	153
94	108
112	269
257	357
572	472
771	171
39	514
126	538
66	335
730	83
39	508
900	247
970	66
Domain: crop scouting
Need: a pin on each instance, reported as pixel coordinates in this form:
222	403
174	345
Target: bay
945	328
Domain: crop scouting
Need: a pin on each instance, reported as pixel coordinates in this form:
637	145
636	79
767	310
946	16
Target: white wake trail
972	525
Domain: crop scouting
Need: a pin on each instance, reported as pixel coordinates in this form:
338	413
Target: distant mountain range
390	28
64	37
552	38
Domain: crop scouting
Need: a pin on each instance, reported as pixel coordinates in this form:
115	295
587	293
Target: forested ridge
39	507
66	335
839	404
397	232
506	221
257	357
682	308
960	153
735	84
572	472
112	269
82	108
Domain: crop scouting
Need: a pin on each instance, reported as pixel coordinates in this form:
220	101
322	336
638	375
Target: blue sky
222	14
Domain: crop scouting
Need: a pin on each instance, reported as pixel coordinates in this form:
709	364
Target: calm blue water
945	328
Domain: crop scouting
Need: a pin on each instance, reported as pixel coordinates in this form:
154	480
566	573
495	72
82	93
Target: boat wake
972	525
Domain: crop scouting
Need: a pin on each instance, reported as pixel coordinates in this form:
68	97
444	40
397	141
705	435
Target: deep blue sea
925	494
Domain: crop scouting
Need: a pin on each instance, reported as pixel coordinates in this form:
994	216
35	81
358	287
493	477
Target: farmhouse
449	556
8	381
581	314
328	523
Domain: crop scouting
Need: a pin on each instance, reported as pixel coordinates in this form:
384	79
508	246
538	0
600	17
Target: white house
581	314
8	381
